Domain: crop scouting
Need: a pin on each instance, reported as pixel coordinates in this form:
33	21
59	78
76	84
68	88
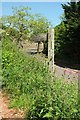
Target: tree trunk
38	47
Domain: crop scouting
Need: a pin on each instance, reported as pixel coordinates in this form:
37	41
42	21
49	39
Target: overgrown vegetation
31	88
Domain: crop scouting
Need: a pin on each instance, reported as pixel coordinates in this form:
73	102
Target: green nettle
31	88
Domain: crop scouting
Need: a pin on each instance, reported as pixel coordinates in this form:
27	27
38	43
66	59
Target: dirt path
5	112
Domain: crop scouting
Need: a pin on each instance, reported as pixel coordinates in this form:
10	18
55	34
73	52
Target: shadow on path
67	64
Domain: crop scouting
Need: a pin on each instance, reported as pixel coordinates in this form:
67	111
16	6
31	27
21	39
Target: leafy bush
59	37
32	89
58	101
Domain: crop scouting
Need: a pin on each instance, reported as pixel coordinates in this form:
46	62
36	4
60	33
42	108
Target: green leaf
48	115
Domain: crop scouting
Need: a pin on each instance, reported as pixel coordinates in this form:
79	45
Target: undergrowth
31	88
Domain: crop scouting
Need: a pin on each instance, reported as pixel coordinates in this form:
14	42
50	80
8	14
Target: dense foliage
31	88
67	37
59	39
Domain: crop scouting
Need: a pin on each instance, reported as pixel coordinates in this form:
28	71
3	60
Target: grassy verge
30	87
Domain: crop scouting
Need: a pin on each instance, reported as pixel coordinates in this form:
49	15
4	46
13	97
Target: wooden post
51	50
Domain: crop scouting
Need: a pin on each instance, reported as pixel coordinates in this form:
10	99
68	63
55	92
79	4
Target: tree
72	24
22	24
39	38
16	25
59	37
67	37
39	26
20	21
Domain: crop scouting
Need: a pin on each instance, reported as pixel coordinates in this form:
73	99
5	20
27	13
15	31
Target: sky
51	10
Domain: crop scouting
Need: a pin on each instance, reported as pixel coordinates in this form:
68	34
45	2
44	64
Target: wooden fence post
51	50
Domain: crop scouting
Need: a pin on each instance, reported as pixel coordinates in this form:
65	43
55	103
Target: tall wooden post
51	50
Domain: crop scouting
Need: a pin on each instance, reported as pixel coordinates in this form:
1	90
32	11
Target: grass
31	88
